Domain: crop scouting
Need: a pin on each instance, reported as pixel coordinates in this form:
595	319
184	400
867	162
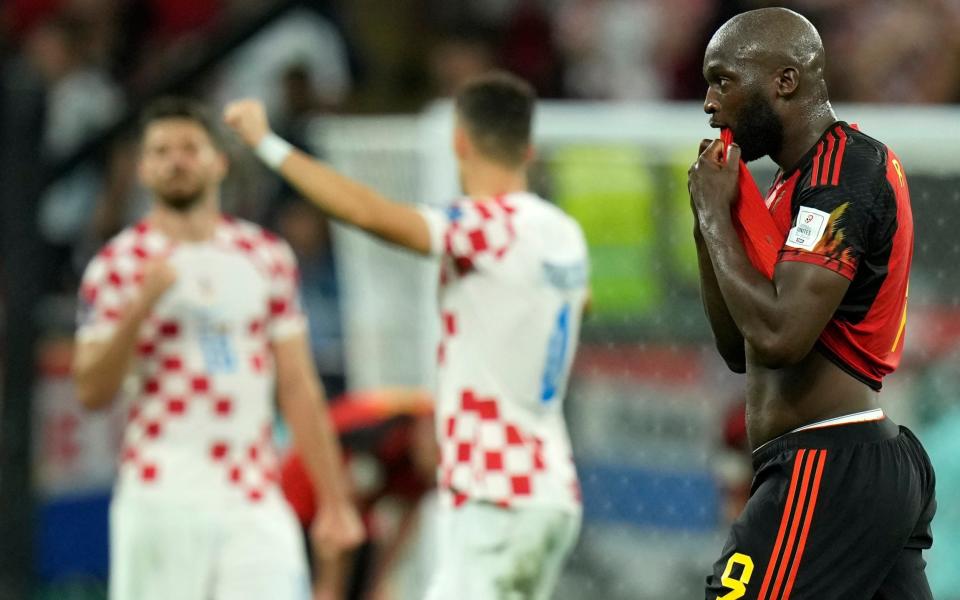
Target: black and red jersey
846	206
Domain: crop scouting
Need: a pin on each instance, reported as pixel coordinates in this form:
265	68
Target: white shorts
490	553
161	552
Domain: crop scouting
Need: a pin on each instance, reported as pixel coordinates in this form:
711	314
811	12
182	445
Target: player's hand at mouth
712	181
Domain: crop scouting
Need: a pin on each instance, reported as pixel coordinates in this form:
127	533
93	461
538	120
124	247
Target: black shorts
838	513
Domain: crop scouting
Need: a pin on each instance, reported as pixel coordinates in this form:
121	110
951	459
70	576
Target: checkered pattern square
113	279
448	330
479	232
251	468
486	456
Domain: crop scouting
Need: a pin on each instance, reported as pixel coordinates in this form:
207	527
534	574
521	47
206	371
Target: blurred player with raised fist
512	290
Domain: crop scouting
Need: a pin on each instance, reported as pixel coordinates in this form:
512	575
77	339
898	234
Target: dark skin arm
779	319
728	338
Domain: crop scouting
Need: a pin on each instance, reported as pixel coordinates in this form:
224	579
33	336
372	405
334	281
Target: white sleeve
286	312
438	223
103	292
473	233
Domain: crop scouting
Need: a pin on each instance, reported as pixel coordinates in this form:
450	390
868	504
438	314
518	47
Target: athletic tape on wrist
273	150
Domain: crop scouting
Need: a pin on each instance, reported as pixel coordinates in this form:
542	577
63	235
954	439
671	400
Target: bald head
761	42
765	69
771	36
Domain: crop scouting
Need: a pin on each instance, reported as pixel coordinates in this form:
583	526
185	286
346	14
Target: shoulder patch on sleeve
809	228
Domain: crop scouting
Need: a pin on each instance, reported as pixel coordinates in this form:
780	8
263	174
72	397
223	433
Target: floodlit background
656	420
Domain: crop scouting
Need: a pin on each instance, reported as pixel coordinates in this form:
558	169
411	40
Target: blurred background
657	422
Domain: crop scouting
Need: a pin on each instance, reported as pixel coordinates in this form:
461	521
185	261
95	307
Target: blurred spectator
173	19
161	36
302	103
104	26
894	52
528	48
82	100
21	16
121	201
685	28
308	233
607	46
301	39
456	58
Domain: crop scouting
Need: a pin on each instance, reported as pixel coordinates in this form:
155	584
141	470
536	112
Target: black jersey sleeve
835	226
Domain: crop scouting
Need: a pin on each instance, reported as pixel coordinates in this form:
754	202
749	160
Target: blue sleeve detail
557	347
454	213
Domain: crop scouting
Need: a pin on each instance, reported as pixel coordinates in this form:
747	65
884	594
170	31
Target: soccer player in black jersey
842	498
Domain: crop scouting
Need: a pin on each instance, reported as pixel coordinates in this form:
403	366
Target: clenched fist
158	276
249	119
337	528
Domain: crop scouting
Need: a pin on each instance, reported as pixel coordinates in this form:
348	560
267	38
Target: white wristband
273	150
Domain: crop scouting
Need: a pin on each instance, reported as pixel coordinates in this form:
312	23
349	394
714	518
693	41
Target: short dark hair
497	111
179	107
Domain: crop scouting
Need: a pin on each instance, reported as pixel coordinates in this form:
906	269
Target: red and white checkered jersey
513	286
199	395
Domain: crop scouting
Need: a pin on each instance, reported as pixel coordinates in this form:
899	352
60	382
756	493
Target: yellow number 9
738	586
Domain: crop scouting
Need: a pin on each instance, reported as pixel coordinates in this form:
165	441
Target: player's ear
529	155
461	142
223	164
787	81
141	166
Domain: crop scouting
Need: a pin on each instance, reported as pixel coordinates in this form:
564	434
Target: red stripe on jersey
828	159
772	563
838	162
808	519
816	165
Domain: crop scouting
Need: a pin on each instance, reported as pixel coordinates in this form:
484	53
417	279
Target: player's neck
488	180
197	224
802	134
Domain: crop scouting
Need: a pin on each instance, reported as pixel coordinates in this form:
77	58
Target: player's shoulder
554	219
119	262
251	237
242	229
558	235
866	152
138	242
848	158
